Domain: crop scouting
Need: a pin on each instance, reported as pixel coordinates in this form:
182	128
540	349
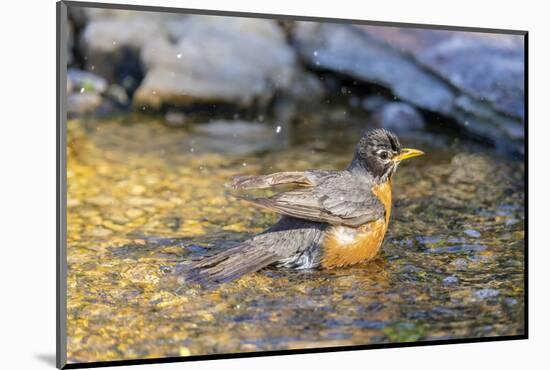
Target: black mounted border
61	187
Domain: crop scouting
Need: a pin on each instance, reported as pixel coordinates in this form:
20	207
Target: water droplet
278	129
81	90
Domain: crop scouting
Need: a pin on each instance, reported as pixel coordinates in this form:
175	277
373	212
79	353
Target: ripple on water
141	205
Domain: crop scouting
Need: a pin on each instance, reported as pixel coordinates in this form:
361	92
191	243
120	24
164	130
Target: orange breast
344	246
383	192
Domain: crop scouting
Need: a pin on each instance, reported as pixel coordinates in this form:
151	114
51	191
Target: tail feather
229	264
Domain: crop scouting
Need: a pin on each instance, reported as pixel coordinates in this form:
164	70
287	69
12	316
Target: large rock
109	30
349	51
476	80
488	67
178	60
217	59
111	42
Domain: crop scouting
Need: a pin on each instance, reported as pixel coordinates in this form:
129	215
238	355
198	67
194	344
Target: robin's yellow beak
407	153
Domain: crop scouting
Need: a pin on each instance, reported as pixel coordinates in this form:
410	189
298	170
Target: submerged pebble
464	248
486	293
511	301
460	262
449	280
473	233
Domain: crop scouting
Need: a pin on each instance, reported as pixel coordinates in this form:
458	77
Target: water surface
144	198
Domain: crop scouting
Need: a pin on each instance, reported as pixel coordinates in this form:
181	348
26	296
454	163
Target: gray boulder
178	60
476	80
112	40
350	51
488	67
109	30
240	61
399	117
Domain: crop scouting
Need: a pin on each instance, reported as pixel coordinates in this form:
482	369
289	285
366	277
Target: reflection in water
143	199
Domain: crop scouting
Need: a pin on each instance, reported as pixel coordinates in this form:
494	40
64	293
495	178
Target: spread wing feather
337	198
304	178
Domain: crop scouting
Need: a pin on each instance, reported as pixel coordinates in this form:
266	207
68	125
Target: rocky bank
135	60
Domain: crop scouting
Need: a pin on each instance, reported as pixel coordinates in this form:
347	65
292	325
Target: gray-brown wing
340	200
304	178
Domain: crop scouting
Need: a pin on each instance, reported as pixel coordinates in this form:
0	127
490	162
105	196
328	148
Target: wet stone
429	239
473	233
134	213
486	293
511	301
175	119
511	221
101	232
369	324
86	81
465	248
83	102
450	280
460	262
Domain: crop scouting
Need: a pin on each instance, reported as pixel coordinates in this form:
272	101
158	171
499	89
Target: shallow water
144	198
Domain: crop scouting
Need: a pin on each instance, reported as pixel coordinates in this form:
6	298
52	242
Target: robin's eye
384	155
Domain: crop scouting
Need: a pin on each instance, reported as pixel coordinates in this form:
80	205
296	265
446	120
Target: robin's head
379	153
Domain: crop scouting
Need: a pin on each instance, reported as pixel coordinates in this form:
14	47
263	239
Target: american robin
336	219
